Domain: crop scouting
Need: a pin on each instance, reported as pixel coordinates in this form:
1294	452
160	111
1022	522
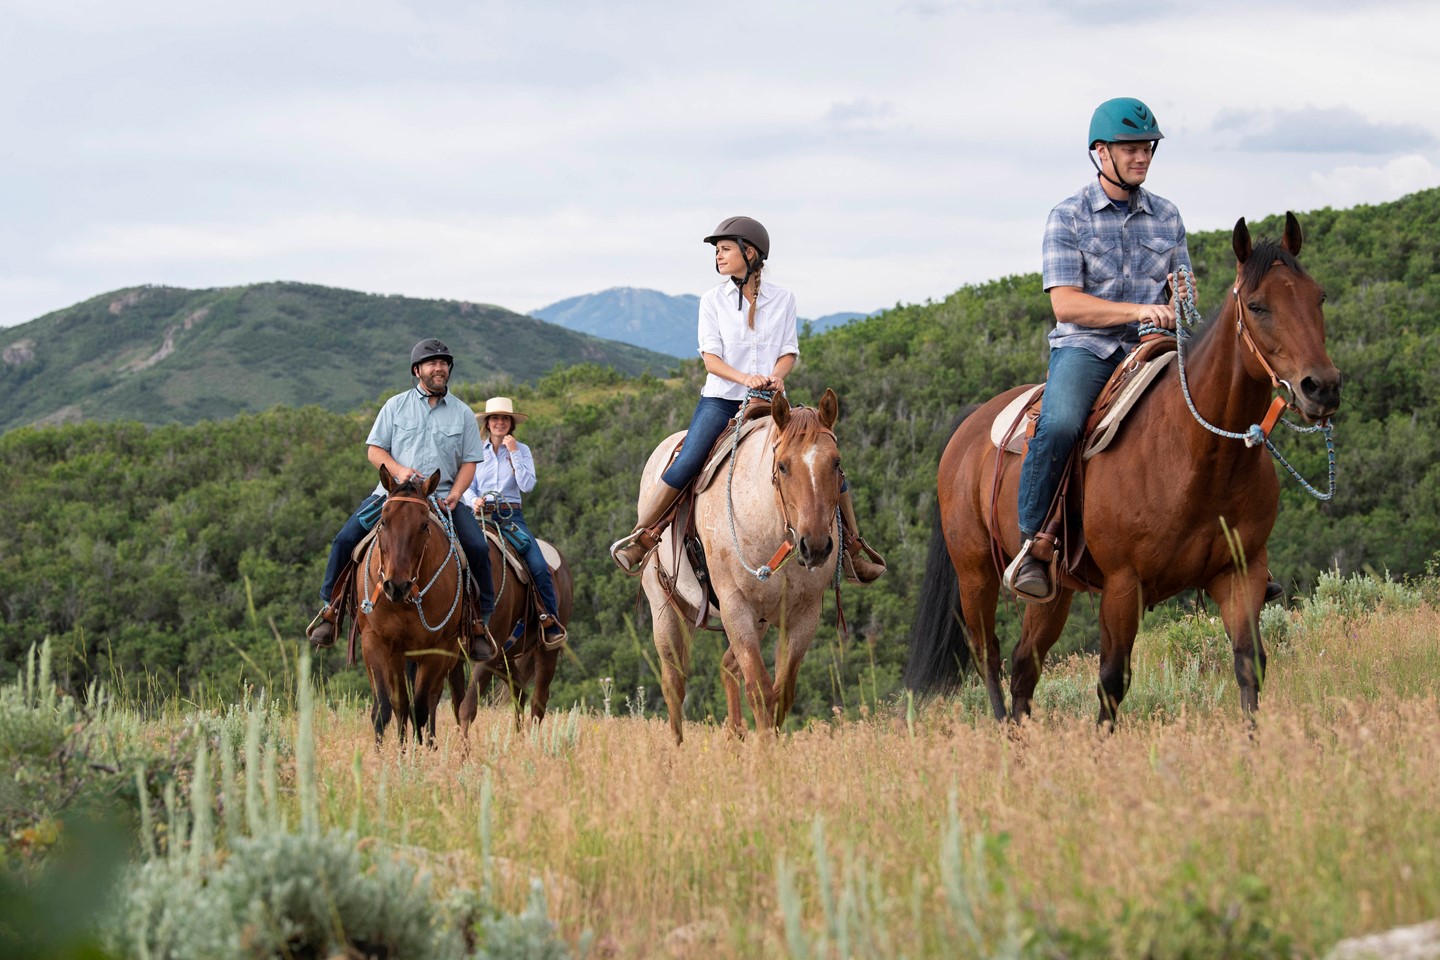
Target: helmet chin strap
749	270
1127	187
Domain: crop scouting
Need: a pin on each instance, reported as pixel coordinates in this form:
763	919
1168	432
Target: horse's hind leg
730	677
1039	629
672	643
979	594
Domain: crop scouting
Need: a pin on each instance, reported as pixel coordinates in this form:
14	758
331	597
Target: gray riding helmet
745	229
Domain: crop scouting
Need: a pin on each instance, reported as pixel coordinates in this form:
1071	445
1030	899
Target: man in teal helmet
1108	254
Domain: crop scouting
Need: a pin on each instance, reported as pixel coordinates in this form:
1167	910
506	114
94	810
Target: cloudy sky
522	152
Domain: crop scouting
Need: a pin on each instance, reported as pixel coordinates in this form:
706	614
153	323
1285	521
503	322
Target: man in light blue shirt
418	432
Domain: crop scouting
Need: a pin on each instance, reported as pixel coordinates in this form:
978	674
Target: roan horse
521	658
783	487
1157	501
410	635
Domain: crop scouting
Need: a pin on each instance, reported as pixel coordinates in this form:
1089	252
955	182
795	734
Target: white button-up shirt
725	331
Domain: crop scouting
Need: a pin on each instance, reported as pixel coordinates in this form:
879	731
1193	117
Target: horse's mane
803	426
1266	254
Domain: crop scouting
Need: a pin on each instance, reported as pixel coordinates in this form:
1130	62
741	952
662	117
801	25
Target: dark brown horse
410	611
522	660
1157	502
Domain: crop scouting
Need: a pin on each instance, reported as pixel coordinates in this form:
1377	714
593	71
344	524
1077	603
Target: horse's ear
829	408
780	411
1291	241
386	481
432	483
1240	240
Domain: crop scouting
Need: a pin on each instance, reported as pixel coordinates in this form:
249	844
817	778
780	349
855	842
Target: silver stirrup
1008	580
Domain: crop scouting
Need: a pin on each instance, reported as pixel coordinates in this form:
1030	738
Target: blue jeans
467	531
706	425
534	560
1075	379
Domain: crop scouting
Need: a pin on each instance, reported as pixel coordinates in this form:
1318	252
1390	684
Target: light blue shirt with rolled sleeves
511	474
426	438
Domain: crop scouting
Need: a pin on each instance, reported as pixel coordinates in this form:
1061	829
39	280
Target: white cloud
521	153
1351	185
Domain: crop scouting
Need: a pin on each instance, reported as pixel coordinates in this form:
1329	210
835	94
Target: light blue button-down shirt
510	473
427	438
1122	257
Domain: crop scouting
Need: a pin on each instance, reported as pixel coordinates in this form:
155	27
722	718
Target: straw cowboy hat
502	406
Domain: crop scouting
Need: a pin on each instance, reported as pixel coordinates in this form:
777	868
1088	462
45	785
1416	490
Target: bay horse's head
404	532
1278	311
807	475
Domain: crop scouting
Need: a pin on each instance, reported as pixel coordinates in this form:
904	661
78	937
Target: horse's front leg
1240	597
1120	607
545	663
745	634
672	644
795	639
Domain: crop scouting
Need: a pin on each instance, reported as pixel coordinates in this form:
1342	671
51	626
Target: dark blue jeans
1075	379
706	425
467	531
534	560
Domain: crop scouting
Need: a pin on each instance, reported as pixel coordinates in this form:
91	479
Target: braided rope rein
418	599
1187	316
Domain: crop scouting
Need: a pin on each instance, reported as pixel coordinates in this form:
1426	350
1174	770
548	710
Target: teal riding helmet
1121	119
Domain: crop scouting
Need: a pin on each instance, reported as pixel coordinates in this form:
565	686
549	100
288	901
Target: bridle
417	593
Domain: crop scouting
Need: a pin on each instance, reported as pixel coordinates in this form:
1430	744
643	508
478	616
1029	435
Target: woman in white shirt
749	341
507	471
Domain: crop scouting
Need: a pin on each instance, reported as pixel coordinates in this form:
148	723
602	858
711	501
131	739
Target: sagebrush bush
281	895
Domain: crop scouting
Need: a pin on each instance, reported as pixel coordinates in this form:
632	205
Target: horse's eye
1254	307
783	467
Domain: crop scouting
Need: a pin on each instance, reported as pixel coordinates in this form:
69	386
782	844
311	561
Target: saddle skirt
515	561
679	560
1015	425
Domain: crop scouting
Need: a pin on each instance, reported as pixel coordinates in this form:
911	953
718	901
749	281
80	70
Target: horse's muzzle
813	551
1318	394
398	591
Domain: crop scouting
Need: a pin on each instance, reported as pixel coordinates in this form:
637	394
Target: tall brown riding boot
862	564
630	552
322	629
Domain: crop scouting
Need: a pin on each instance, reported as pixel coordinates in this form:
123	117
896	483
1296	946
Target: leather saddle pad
1126	386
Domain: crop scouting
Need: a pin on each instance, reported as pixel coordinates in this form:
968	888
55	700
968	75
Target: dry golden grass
1330	802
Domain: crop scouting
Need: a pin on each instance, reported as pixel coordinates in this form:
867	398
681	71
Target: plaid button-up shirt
1121	257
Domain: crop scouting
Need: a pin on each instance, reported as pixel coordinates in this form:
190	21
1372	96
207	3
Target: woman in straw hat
507	471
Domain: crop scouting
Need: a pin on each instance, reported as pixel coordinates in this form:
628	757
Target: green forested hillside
133	547
167	355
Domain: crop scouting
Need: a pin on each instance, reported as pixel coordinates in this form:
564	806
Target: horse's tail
939	648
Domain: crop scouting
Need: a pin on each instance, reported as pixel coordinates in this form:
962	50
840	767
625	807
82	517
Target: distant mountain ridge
172	355
645	318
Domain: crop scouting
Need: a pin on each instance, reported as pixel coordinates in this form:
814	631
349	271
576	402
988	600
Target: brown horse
1157	502
522	659
410	610
786	489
